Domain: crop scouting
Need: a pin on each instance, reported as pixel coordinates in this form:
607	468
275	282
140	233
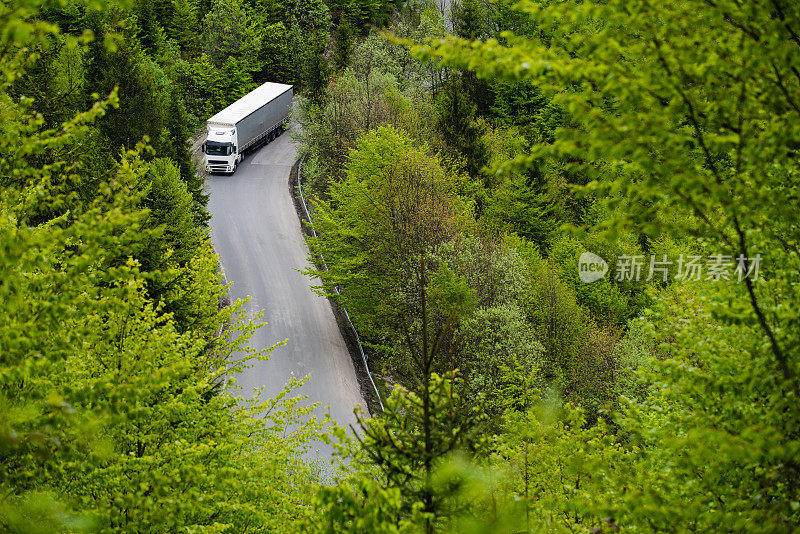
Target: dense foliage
461	163
649	403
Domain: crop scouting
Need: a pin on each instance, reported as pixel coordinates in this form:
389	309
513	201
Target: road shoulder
365	386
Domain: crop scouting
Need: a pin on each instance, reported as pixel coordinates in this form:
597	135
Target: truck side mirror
235	151
203	148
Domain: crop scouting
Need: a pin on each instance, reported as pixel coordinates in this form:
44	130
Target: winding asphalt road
257	235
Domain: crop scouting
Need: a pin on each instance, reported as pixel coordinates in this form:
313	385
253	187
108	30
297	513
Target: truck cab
222	154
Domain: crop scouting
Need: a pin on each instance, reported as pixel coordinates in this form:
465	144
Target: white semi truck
255	119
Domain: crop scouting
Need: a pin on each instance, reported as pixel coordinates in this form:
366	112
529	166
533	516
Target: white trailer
255	119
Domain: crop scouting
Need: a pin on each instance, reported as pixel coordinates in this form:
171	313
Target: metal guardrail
336	289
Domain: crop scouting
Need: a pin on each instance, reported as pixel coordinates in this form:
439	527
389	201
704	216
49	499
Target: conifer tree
185	27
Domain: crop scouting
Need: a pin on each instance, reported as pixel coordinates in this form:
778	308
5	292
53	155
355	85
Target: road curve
256	234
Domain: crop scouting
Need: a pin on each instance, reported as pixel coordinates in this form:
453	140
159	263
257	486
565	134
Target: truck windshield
218	149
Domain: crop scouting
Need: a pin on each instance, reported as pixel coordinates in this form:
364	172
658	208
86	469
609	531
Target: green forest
468	165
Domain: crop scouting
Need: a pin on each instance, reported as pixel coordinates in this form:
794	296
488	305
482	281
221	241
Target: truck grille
217	161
